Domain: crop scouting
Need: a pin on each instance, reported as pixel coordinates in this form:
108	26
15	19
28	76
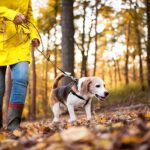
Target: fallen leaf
55	146
56	137
130	139
39	146
17	133
77	134
105	144
2	136
11	144
117	125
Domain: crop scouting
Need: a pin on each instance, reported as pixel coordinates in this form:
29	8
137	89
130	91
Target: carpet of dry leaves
121	129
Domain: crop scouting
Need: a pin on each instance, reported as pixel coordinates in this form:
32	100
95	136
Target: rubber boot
14	117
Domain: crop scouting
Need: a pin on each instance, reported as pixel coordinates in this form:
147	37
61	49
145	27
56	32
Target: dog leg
56	112
71	113
88	110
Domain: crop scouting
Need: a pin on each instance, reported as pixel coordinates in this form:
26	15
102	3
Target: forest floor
112	128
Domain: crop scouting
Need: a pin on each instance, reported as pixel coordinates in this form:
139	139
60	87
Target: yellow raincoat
15	40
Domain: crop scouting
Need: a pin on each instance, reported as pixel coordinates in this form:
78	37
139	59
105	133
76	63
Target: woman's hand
35	43
19	19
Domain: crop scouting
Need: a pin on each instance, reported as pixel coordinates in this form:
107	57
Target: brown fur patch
53	98
85	86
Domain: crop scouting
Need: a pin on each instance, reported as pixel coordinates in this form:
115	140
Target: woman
17	31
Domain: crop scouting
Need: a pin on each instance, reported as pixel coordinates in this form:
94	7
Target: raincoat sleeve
7	13
32	24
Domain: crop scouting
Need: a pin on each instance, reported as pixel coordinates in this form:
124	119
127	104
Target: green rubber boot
14	118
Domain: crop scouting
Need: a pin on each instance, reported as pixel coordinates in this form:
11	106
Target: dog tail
55	85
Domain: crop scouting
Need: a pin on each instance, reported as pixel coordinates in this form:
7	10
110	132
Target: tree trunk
95	53
29	104
110	74
7	93
134	69
140	57
67	38
46	84
115	74
55	53
138	35
33	100
83	65
118	70
148	46
127	56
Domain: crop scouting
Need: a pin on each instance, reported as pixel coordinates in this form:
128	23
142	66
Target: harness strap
82	98
77	95
87	101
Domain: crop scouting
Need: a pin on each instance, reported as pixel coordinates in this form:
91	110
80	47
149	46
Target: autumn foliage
113	128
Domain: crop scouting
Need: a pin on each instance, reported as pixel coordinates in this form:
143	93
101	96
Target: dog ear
85	86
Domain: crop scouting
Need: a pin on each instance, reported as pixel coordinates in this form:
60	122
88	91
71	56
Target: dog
73	95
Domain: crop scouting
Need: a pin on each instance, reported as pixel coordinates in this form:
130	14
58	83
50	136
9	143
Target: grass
128	94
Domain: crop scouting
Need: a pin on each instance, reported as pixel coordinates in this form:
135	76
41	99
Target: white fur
56	112
73	101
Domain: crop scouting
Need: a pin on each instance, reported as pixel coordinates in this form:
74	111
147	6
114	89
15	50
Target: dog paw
87	123
55	126
55	123
89	120
73	123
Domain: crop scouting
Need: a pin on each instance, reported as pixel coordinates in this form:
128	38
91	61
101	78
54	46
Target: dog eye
98	86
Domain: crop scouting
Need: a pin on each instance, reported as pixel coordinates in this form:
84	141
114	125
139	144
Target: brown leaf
17	133
54	138
130	139
2	136
77	134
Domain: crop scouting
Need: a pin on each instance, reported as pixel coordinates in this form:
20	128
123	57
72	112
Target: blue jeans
19	76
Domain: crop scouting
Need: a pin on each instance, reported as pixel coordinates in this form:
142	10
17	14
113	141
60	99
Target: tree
127	55
67	38
7	92
55	53
148	45
33	100
96	16
139	47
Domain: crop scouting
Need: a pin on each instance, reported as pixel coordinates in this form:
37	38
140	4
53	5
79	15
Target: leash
48	58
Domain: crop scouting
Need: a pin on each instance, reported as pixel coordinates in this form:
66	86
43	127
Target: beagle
73	95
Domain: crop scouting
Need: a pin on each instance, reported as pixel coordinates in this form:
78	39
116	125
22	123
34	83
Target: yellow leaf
87	148
105	144
2	137
77	134
130	139
148	124
17	133
102	120
147	115
117	125
11	144
100	127
56	146
54	138
39	146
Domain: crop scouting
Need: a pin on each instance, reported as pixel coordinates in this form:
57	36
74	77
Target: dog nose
106	93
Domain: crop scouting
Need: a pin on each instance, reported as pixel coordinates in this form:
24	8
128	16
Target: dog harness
80	97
